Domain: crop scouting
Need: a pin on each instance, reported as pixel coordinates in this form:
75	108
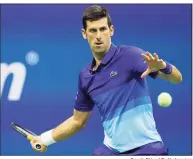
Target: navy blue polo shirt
121	96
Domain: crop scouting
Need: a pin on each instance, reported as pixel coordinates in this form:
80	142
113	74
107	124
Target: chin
99	51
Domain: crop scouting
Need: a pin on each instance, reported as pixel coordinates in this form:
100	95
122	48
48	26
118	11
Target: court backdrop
42	53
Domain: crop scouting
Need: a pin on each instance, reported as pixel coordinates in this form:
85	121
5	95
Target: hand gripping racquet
26	133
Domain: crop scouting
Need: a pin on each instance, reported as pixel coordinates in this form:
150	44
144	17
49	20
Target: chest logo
113	73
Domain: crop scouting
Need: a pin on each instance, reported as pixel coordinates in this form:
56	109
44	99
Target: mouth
98	43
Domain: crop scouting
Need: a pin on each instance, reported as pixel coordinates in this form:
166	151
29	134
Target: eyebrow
92	29
103	27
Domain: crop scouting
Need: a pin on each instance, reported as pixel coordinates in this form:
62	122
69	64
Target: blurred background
43	47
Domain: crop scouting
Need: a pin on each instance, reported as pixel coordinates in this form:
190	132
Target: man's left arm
174	77
165	70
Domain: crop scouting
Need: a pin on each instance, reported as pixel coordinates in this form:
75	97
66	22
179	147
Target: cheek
90	39
107	37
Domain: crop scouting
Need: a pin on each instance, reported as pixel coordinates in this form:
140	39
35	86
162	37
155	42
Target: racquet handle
38	146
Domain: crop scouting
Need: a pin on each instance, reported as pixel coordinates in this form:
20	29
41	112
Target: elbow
79	125
178	79
83	126
178	76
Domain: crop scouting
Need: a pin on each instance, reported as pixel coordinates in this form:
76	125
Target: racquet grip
38	146
29	137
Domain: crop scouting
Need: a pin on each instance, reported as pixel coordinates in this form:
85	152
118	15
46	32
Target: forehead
97	23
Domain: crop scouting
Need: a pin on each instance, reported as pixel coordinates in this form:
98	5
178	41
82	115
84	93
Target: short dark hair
95	12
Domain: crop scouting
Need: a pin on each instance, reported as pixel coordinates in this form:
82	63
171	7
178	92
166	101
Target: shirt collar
108	56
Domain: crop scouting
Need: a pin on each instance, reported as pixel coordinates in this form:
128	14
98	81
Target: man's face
98	35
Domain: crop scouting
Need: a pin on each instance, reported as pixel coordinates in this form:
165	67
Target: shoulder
131	50
85	71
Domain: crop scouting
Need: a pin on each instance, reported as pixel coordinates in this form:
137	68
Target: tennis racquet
26	133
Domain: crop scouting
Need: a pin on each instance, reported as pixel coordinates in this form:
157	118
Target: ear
111	30
84	33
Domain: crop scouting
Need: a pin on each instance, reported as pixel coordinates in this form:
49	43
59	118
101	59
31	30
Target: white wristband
47	138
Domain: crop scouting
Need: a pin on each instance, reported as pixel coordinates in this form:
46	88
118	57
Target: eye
92	30
103	29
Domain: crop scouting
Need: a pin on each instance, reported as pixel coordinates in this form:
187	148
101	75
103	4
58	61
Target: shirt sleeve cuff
84	108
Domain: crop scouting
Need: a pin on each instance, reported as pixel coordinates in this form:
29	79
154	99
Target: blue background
54	32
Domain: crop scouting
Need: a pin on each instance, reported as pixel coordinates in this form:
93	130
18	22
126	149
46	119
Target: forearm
175	76
66	129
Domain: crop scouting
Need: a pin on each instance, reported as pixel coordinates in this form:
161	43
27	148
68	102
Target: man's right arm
63	131
70	126
82	110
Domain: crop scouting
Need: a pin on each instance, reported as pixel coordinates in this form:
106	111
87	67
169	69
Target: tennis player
115	83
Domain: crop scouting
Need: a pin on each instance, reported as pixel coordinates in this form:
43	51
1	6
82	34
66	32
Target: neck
99	56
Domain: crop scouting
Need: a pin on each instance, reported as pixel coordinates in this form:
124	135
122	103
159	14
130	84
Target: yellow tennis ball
164	99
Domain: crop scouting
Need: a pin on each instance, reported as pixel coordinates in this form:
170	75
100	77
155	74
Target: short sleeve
83	102
140	64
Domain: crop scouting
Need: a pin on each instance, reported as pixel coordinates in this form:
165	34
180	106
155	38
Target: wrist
47	138
167	69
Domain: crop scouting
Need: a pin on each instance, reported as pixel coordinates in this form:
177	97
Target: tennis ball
164	99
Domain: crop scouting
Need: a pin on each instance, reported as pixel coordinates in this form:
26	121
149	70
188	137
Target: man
115	82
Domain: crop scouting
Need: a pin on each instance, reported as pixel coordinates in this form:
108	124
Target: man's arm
165	70
82	110
175	76
63	131
70	126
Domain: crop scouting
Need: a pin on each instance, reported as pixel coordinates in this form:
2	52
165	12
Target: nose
98	36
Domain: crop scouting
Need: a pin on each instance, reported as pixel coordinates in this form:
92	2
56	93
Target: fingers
42	149
156	56
150	56
147	56
153	62
160	60
34	142
33	146
144	74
